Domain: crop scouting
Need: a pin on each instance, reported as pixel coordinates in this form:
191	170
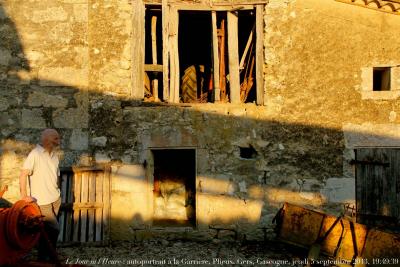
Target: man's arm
22	186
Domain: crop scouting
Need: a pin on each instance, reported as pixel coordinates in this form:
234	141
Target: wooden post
222	73
165	40
92	199
260	54
77	197
217	89
174	56
84	199
70	213
154	54
99	199
138	29
233	56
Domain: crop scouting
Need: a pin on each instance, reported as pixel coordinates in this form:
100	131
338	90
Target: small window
380	82
381	79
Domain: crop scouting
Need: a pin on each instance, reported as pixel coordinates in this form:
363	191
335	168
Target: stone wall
66	64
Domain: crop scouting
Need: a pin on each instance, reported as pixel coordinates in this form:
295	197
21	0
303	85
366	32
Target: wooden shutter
378	185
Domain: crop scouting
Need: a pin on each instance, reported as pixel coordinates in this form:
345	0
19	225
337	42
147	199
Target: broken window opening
153	78
174	187
199	56
195	56
381	79
246	39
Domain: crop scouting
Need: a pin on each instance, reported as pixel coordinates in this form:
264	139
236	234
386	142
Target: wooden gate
85	210
378	186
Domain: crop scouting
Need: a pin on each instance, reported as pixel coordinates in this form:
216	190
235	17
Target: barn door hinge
369	162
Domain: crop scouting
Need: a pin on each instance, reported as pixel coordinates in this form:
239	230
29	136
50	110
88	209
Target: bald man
41	170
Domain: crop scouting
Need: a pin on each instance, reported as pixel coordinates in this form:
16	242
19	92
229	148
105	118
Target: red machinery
20	230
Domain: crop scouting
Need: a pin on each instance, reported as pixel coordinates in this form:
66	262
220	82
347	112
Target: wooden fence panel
84	213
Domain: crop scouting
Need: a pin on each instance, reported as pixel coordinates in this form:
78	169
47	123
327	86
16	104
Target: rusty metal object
21	227
336	237
5	188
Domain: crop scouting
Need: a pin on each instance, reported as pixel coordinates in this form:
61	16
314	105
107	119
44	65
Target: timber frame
170	68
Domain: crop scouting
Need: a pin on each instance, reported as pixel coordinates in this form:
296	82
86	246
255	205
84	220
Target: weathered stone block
340	190
216	184
37	99
79	140
49	14
99	141
81	12
4	104
63	77
70	118
32	118
5	57
102	158
212	209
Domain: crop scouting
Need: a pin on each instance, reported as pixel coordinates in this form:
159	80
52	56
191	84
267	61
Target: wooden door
85	210
378	186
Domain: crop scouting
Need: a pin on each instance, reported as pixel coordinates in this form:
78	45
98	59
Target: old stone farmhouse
201	118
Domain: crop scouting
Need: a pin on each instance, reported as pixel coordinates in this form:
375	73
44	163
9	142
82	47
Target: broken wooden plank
165	45
246	49
154	54
233	58
216	81
138	42
83	205
260	54
77	196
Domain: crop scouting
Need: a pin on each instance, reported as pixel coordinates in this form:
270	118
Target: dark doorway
174	187
378	187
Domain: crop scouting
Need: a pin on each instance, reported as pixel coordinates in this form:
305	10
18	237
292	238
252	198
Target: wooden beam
260	54
207	3
153	67
138	29
207	7
174	56
165	40
216	81
154	54
233	58
77	199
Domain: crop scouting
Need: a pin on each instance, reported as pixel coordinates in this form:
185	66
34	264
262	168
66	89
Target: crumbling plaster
66	64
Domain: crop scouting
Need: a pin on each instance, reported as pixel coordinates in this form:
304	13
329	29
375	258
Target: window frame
170	53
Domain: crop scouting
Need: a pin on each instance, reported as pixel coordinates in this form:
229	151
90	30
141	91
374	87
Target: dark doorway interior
174	187
195	55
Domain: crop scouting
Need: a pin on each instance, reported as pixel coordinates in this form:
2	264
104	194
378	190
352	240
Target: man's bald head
50	138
